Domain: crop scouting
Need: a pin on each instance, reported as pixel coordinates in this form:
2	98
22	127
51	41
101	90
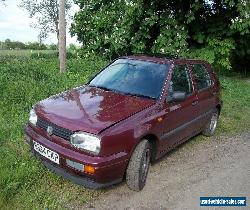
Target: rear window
201	76
181	80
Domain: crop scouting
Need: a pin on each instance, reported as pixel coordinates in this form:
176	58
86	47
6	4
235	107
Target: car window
201	76
133	77
181	80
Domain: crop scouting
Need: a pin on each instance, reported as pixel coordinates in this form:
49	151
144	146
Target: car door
204	88
178	116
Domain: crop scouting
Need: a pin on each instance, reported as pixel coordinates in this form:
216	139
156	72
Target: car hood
89	109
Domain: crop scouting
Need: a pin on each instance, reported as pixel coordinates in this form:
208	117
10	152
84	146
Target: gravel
216	166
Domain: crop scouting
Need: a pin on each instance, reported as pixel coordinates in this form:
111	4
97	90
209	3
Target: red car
133	112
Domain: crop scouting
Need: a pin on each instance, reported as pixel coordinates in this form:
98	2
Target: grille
58	131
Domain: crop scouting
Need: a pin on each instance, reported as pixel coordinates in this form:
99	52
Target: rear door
178	117
204	88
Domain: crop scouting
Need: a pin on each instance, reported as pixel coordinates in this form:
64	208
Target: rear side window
180	80
201	76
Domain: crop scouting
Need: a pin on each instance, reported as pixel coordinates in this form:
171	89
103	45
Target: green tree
52	47
36	46
214	30
45	14
8	44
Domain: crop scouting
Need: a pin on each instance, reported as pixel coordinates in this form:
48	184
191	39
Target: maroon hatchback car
133	112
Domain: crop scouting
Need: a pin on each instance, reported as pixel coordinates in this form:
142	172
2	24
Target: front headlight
86	141
32	117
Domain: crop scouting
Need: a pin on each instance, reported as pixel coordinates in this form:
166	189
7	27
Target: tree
46	15
62	36
8	44
213	30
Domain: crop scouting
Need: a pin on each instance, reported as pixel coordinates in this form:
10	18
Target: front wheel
211	126
138	166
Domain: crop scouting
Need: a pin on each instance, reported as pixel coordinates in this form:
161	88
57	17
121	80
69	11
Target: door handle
194	103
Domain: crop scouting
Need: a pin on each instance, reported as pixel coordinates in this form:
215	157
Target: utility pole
62	36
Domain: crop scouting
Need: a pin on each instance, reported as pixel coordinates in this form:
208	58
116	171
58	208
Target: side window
181	80
201	76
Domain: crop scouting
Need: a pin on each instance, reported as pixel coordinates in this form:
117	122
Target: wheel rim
213	122
145	164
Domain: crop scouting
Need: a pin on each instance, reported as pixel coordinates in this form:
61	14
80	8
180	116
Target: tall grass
24	183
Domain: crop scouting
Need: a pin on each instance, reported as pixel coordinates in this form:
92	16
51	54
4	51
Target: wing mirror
177	96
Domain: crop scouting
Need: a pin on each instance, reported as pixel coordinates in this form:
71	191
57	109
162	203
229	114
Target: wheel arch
218	107
154	142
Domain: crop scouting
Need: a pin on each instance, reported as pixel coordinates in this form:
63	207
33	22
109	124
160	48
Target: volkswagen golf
131	113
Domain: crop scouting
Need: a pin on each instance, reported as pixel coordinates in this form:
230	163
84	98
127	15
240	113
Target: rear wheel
211	126
138	166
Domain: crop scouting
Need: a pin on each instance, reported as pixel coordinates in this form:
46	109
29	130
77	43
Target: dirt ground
212	167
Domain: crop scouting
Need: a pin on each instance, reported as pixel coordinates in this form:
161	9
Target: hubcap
213	122
145	164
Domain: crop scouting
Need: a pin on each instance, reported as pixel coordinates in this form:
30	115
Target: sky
15	24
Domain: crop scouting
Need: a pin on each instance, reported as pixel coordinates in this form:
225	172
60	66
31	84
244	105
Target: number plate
51	155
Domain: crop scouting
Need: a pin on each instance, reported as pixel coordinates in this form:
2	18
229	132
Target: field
24	182
24	53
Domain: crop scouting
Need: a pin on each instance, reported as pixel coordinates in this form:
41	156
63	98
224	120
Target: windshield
132	77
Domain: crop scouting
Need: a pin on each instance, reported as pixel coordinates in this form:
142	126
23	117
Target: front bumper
108	170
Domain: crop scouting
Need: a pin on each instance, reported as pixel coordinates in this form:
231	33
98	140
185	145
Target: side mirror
178	96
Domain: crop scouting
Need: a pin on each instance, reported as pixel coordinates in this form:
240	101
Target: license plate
51	155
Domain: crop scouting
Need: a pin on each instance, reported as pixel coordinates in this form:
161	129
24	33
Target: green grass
24	182
24	53
235	114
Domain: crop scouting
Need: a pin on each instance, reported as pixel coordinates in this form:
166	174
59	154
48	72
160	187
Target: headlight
86	141
33	117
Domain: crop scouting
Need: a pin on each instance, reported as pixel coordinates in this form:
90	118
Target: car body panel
122	121
115	163
89	109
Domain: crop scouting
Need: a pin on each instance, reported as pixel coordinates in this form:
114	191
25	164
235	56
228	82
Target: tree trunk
62	36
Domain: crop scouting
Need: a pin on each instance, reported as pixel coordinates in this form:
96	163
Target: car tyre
138	166
210	127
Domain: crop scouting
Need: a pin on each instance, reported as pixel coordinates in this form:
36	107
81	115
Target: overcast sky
15	24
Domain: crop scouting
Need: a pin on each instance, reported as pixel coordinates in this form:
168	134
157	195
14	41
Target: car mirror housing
177	96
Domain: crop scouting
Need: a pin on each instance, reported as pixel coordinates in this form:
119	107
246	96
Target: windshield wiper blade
101	87
124	93
139	95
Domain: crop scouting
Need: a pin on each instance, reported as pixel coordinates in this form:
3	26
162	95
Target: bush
45	55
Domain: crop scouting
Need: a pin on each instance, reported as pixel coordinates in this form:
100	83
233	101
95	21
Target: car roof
159	58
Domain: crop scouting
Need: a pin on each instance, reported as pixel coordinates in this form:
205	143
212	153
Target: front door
178	116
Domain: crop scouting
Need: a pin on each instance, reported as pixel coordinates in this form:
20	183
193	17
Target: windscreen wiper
101	87
139	95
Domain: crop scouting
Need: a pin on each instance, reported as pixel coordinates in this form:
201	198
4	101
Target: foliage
44	55
36	46
216	52
10	44
37	54
23	54
46	15
52	47
72	47
220	29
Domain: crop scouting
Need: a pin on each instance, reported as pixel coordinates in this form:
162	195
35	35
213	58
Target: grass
24	53
24	182
236	106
